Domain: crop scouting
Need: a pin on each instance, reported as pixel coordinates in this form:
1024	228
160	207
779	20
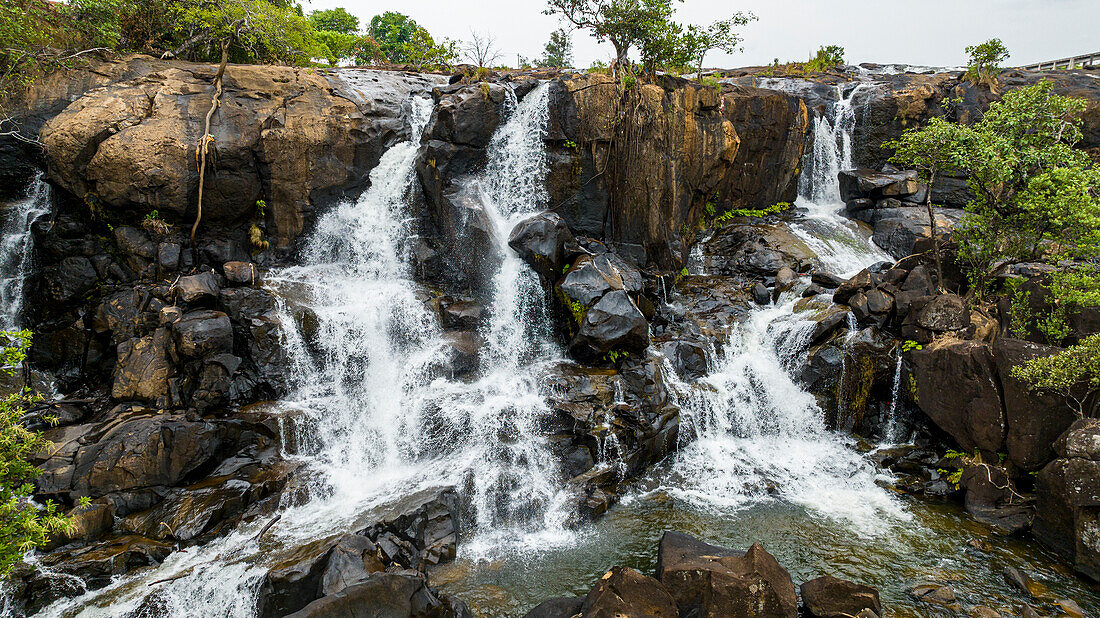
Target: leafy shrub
985	61
24	525
826	58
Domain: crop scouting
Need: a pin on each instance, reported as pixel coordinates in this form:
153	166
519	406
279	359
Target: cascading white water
759	436
380	419
15	249
892	432
838	242
517	495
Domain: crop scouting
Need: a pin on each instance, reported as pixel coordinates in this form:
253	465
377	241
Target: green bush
24	525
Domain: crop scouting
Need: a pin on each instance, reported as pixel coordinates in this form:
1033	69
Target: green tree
626	24
1035	194
931	150
24	525
393	31
720	35
985	61
335	20
252	31
559	49
1073	373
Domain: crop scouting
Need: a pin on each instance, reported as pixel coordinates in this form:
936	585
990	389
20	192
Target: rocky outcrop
692	579
1068	491
677	149
291	137
957	387
829	597
380	565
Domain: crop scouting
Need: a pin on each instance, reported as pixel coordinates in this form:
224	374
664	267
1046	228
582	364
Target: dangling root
204	142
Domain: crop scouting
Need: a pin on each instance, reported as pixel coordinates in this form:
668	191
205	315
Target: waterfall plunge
15	250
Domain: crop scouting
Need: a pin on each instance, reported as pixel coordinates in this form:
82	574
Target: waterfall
759	436
15	249
518	497
891	433
838	242
374	416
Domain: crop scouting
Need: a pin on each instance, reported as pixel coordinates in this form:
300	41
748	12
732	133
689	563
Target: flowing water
842	245
376	416
15	249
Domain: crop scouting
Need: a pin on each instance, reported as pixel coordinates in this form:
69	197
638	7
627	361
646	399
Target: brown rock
957	388
241	273
626	593
829	597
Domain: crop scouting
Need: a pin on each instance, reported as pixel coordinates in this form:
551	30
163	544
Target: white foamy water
761	437
374	412
843	248
15	249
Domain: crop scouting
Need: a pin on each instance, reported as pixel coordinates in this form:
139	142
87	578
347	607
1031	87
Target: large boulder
756	251
614	322
144	451
1067	491
957	388
1035	420
542	240
868	184
144	368
203	333
381	595
290	136
719	582
625	593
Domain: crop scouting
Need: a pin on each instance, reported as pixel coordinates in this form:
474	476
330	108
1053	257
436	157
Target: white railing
1074	62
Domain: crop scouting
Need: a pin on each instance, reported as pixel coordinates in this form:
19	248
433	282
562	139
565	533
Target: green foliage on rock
1035	194
23	524
827	58
1073	372
985	61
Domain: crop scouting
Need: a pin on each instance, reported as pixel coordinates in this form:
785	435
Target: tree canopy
335	20
559	49
648	26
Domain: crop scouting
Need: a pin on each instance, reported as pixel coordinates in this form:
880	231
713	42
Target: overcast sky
928	32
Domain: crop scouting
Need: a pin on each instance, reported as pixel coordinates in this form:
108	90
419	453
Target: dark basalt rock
563	607
144	451
401	594
200	289
1035	420
203	333
590	279
829	597
946	312
613	323
869	184
957	388
625	592
545	243
720	582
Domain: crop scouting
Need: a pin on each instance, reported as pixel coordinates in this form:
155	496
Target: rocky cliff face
168	347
